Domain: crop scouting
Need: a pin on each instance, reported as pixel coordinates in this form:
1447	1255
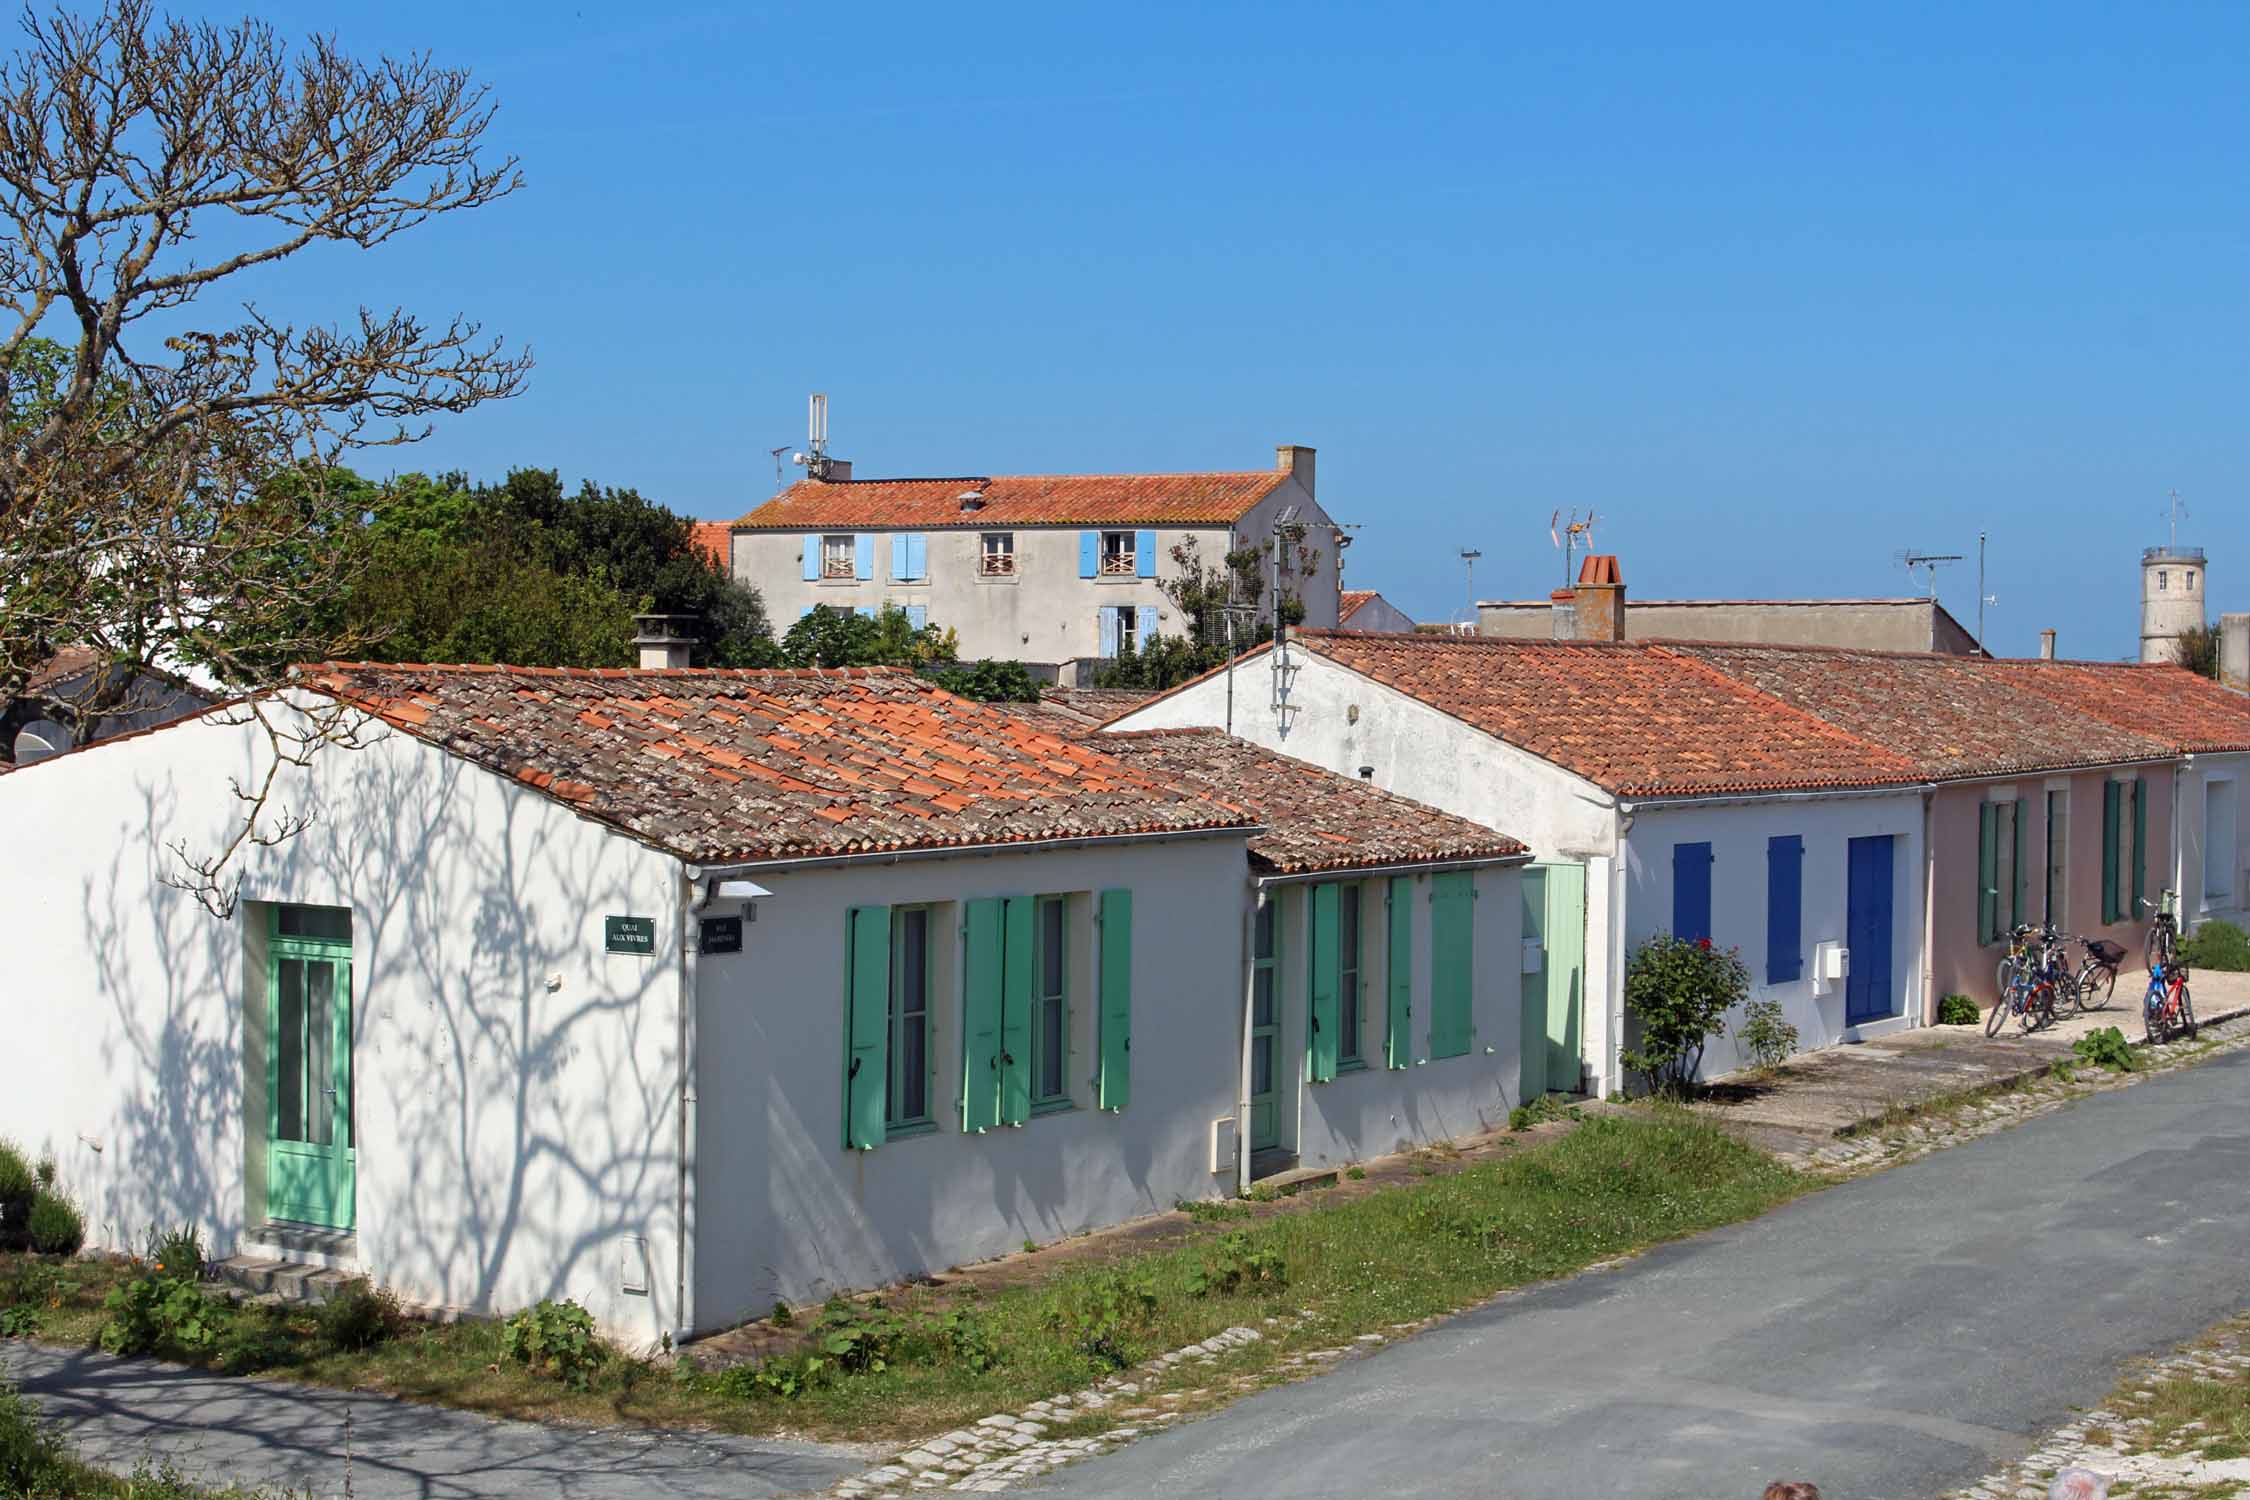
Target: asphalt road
1888	1339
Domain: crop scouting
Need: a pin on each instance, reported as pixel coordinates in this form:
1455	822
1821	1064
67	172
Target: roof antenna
1568	539
814	460
776	455
1911	559
1469	556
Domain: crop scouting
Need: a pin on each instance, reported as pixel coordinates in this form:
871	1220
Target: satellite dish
40	739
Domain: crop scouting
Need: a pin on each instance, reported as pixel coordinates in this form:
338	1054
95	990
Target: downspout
1249	1022
1929	907
2179	848
683	1293
1613	1059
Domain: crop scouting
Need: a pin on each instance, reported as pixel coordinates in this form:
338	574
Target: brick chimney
1598	604
1296	460
2046	645
663	641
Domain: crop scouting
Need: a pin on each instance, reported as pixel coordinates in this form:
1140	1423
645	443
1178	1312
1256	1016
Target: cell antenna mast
2172	513
1929	561
814	460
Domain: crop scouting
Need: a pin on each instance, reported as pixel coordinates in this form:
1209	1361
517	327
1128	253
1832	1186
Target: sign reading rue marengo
629	934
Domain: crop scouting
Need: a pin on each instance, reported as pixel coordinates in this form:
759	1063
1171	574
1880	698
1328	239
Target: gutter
1249	1032
958	851
1629	805
1264	883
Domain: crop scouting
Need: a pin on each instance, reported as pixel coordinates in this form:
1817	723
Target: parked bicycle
2097	975
2166	1010
2163	945
2034	980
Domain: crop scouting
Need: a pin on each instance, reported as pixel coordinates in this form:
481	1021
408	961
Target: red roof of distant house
1018	500
716	765
1351	600
715	540
2159	701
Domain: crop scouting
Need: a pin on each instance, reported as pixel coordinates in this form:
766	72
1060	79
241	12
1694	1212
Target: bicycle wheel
2096	983
2187	1014
1997	1017
2068	997
2004	977
2036	998
2158	949
2152	1018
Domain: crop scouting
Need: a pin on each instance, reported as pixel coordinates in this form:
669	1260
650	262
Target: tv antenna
1569	538
776	454
1913	558
1469	556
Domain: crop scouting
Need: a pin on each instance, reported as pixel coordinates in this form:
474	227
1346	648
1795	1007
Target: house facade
1055	571
1364	609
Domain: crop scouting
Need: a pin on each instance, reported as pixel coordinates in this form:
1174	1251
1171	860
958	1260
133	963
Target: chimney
1295	460
2046	645
1598	610
1565	605
2234	651
664	641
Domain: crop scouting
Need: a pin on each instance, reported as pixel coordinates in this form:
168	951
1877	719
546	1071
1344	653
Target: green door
1565	932
1531	1071
1265	1033
309	1068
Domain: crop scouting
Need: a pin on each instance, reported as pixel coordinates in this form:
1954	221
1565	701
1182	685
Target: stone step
285	1281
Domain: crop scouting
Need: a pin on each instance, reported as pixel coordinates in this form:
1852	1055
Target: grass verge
35	1465
1613	1186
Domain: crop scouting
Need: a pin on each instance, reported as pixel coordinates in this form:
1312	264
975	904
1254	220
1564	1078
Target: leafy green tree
827	637
2199	650
988	681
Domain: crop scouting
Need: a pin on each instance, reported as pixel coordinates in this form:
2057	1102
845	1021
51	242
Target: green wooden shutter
980	1015
1015	1014
867	990
1321	1036
1531	991
2111	829
2140	845
2016	913
1452	963
1114	1087
1988	872
1566	975
1398	1044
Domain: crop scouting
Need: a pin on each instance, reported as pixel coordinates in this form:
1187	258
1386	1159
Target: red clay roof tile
1018	500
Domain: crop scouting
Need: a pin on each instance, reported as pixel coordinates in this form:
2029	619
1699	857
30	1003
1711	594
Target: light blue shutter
808	609
1015	1012
918	615
812	559
1108	630
1145	627
1114	1084
863	555
867	1025
1089	553
1144	553
1323	1013
1452	963
865	611
921	555
909	555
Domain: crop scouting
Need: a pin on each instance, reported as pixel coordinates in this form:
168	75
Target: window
1122	628
1691	891
2000	904
2058	856
837	557
1785	906
1347	985
1265	1029
2189	579
1050	1004
998	557
2163	580
332	924
1117	555
907	1099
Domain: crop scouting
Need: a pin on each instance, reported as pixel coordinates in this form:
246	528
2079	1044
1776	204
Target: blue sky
1778	291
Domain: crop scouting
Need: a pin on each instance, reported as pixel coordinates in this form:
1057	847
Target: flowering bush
1679	990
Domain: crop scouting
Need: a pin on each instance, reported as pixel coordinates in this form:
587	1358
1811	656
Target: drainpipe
2179	845
1249	1022
1929	909
683	1293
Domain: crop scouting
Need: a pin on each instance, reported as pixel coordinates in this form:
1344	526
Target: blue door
1867	932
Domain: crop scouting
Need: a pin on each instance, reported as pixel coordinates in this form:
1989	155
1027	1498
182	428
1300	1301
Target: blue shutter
1691	891
908	549
812	559
983	943
1108	630
863	555
865	611
1785	908
1145	626
918	615
1089	553
1144	553
808	609
921	555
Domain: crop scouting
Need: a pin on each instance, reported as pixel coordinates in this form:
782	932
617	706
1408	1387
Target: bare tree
169	487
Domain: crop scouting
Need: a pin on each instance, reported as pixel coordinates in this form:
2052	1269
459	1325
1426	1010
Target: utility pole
1980	592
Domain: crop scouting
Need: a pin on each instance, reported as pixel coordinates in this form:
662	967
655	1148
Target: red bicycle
2166	1010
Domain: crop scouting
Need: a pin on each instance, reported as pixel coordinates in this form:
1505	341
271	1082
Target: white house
1696	805
678	992
1051	570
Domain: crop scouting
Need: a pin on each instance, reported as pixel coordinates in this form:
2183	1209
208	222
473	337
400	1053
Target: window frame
1351	968
996	561
829	557
1120	562
894	1122
1042	1099
1128	628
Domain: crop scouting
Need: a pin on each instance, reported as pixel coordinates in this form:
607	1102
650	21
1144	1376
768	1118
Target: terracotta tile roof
715	540
1018	500
724	765
1951	716
2191	713
1351	600
1638	720
70	661
1314	818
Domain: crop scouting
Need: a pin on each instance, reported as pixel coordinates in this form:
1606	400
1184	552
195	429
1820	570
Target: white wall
2193	854
1737	833
787	1211
1375	1110
509	1136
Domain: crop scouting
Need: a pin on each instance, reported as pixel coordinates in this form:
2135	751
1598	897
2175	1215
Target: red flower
1704	944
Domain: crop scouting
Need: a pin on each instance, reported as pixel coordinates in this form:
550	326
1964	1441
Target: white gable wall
2211	838
514	1083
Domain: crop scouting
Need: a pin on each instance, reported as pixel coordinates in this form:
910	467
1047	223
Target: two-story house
1052	570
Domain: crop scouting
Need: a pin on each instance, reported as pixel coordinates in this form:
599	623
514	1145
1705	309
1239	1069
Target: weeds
2106	1048
1235	1264
1543	1110
557	1339
1213	1210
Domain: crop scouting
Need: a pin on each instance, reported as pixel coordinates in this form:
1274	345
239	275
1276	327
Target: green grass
35	1465
1614	1185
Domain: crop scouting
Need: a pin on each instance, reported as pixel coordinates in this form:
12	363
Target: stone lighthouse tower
2171	599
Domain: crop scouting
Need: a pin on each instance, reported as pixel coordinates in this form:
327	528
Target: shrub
359	1315
555	1338
1680	991
178	1252
33	1460
1104	1315
860	1339
19	1185
163	1315
1767	1040
960	1338
2106	1048
2217	945
1235	1264
1958	1010
56	1226
1541	1111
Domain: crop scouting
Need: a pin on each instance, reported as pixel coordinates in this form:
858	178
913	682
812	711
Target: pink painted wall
1958	963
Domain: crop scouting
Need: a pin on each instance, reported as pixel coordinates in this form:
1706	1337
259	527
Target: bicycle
2016	964
2167	1010
2054	970
2098	974
2163	945
2029	983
